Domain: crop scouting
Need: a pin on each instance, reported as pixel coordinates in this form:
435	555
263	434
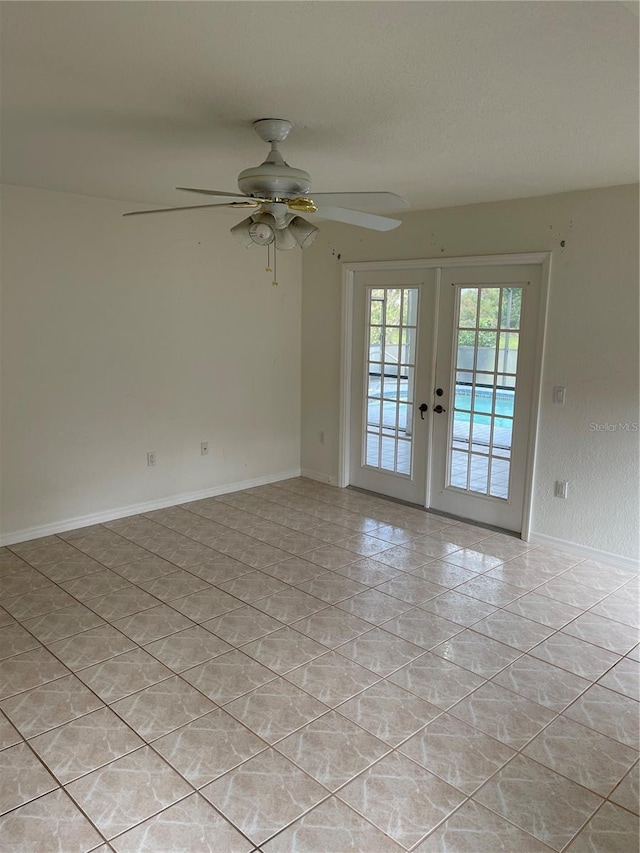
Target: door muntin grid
390	363
485	361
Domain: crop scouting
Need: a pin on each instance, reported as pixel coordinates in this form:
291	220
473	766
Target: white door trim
536	397
348	277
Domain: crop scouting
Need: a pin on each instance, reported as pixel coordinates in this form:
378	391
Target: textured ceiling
445	103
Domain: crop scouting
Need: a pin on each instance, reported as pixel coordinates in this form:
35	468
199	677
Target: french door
442	379
487	333
392	359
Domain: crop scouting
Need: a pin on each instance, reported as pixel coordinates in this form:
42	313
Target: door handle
439	409
422	408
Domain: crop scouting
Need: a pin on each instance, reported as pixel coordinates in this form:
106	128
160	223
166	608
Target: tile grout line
380	678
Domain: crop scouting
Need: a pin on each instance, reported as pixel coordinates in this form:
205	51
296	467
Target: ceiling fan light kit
263	228
277	192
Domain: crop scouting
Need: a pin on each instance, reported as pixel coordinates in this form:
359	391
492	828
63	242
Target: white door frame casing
543	259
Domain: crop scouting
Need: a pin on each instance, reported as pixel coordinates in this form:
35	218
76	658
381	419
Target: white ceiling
446	103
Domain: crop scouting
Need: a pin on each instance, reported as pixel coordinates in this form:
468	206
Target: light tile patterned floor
302	669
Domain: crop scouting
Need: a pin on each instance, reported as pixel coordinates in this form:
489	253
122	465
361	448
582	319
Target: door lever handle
439	409
422	408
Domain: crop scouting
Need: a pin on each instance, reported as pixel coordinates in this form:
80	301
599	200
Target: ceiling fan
278	193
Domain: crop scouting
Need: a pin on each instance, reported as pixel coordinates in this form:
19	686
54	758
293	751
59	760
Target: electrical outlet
151	459
561	489
204	448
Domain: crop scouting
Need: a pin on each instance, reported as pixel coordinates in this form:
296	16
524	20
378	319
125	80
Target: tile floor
300	669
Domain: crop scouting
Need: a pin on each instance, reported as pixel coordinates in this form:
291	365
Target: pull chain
268	266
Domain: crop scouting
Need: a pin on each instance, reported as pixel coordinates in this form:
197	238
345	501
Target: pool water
462	413
483	402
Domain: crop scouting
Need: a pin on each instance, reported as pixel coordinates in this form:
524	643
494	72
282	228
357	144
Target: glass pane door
390	375
486	362
390	364
486	353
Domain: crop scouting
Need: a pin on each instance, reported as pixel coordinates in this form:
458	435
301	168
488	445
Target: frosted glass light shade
304	232
241	232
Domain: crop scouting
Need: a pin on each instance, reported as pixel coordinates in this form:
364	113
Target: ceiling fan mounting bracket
272	129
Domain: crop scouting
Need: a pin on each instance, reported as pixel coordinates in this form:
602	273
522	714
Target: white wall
592	344
121	336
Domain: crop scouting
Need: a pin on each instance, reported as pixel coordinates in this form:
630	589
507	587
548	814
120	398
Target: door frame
542	259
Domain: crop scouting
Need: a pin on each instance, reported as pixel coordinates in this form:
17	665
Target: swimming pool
505	400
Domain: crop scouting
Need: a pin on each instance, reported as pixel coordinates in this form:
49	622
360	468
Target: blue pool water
483	403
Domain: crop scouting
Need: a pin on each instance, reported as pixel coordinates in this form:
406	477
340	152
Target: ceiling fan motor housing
274	180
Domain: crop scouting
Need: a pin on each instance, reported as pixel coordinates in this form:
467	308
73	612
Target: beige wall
592	344
121	336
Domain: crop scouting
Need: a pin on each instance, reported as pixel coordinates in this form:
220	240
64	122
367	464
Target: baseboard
616	560
321	478
137	509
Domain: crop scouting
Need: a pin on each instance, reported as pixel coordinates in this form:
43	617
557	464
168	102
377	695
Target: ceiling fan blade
371	202
357	217
212	192
240	204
